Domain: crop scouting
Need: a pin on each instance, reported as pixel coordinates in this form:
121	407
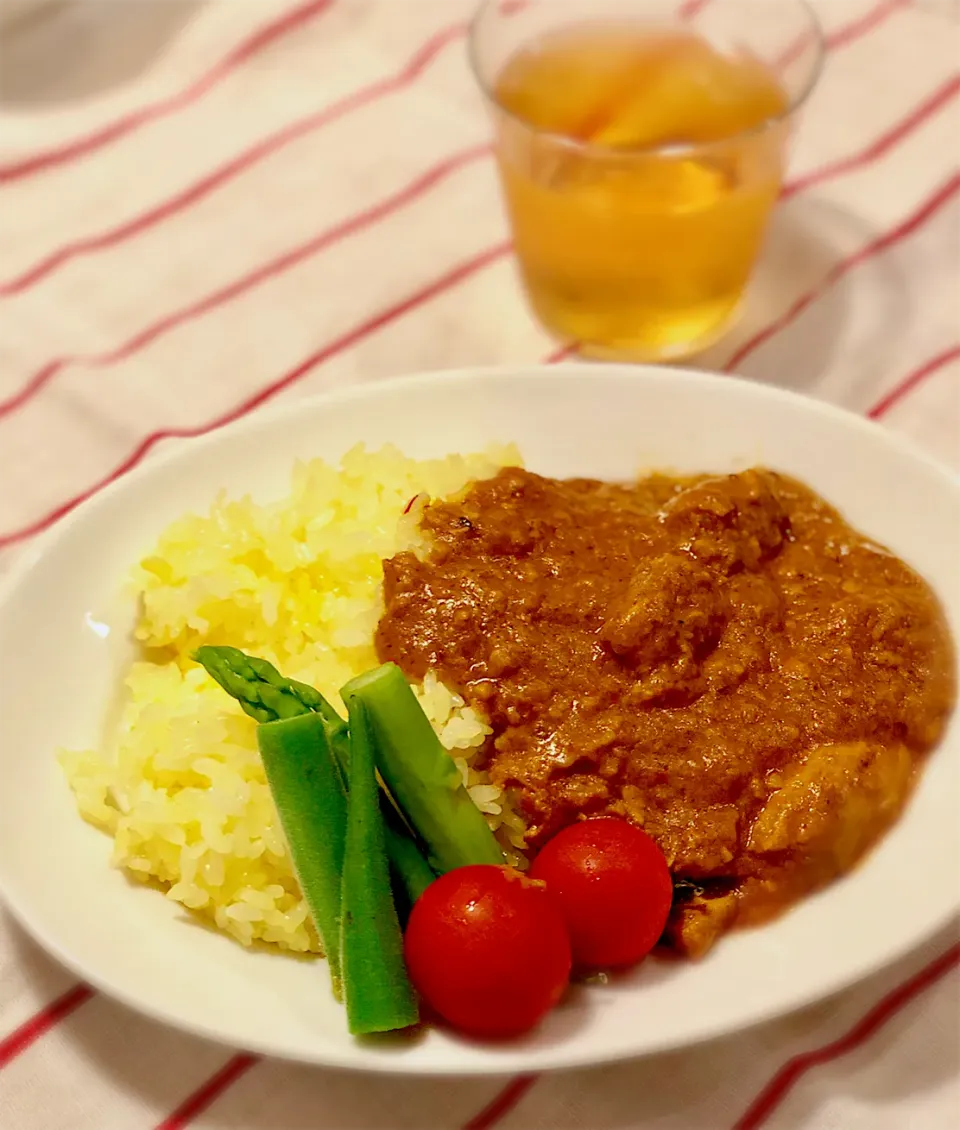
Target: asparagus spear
308	792
261	690
378	992
266	695
406	859
420	774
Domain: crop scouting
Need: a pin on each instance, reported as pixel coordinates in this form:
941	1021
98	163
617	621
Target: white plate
59	676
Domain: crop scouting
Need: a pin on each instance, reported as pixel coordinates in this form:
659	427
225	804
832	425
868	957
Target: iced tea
639	167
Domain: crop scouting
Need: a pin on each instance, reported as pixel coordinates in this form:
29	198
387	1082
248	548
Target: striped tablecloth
208	206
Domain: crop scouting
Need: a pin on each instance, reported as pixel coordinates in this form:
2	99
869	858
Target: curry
723	660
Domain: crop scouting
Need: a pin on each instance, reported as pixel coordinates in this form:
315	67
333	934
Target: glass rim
674	149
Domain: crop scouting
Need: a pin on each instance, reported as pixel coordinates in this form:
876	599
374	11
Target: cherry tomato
613	886
488	950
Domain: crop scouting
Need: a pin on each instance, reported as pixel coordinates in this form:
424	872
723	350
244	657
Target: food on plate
613	887
379	995
420	775
488	950
341	838
722	659
344	833
179	783
478	934
684	702
308	793
429	784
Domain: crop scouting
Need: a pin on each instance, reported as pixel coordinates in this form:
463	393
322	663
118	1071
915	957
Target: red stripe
561	353
217	298
776	1090
908	384
352	337
27	1034
929	208
860	27
502	1104
265	37
236	165
214	1087
691	9
197	1103
842	36
879	148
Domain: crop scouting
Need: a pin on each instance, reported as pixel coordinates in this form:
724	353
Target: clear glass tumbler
638	198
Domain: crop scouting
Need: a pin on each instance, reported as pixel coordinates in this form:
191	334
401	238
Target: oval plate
61	672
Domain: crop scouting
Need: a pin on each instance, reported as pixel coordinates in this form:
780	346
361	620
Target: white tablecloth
208	205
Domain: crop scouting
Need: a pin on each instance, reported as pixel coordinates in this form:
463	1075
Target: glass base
636	352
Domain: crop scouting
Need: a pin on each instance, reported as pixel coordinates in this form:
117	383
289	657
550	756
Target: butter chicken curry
722	660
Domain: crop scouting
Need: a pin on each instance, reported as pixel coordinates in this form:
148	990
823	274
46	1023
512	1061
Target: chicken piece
670	610
838	802
696	923
666	621
697	841
729	523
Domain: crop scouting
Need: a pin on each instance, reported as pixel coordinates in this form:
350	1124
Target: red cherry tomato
613	886
488	950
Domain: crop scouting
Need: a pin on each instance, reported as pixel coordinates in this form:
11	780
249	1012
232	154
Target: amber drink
640	155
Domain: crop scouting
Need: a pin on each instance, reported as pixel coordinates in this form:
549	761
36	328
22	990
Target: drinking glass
630	251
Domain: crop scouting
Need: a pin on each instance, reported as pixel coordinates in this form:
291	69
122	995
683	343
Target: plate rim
263	417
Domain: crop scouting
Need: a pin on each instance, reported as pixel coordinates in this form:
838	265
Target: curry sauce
723	660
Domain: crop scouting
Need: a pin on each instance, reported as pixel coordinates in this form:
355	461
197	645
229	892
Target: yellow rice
299	581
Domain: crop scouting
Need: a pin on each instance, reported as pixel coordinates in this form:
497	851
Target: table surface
206	206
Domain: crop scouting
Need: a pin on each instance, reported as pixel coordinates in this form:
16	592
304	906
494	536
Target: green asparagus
406	859
305	783
266	696
409	866
420	774
259	687
377	989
